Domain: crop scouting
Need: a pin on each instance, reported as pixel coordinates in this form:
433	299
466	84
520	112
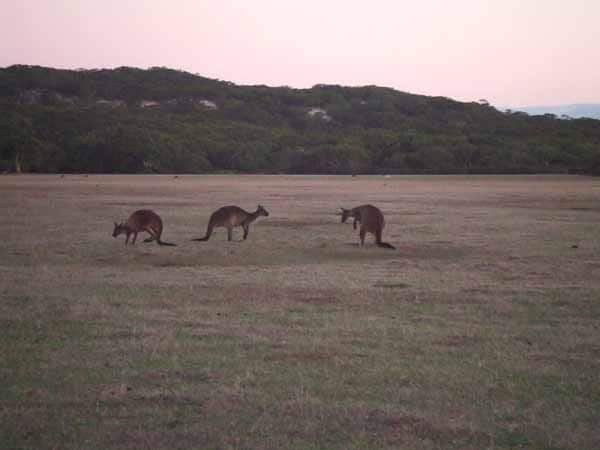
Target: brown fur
141	220
371	221
230	217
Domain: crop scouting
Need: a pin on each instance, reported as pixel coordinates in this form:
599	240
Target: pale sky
510	52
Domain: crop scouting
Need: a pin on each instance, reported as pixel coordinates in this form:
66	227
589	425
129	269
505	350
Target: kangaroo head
345	214
119	229
262	211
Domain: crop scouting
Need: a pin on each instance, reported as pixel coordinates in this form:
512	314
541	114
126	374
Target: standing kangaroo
141	220
230	217
371	221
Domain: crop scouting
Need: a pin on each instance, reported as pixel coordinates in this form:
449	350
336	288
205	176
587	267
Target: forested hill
166	121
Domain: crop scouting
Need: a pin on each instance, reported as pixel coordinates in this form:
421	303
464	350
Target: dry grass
482	330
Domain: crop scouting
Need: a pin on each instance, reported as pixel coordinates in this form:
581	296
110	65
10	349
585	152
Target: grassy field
482	330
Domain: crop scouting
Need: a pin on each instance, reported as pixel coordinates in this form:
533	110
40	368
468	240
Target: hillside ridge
160	120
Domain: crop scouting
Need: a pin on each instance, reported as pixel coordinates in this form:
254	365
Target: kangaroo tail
379	242
168	244
209	230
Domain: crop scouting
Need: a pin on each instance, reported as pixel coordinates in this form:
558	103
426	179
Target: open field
482	330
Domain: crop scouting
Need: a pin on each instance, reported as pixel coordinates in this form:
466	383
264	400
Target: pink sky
510	52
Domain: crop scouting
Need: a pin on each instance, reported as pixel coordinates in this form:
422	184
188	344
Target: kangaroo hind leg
152	236
362	234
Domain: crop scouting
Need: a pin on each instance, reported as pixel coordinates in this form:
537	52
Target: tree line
159	120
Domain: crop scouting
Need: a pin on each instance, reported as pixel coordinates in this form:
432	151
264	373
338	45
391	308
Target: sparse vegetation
480	331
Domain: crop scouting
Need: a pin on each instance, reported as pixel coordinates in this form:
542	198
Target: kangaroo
230	217
371	221
141	220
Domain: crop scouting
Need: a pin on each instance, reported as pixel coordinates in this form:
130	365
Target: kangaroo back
144	219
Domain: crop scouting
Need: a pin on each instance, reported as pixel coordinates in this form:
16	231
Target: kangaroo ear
115	224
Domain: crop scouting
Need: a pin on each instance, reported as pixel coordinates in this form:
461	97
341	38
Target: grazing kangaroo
141	220
230	217
371	221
